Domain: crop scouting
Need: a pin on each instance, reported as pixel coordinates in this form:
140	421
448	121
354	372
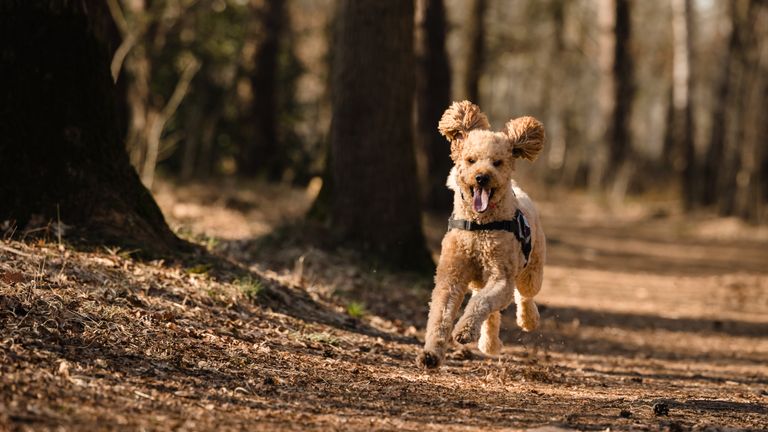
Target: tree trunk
375	200
596	153
681	153
61	155
432	98
748	199
712	169
263	154
740	175
476	52
554	117
618	135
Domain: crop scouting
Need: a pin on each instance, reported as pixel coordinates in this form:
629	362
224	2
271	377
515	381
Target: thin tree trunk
432	98
263	154
555	150
61	154
712	167
158	121
619	136
596	154
681	153
375	200
476	54
144	35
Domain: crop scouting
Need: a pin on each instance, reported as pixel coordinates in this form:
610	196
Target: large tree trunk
262	155
432	98
375	200
476	51
618	136
61	155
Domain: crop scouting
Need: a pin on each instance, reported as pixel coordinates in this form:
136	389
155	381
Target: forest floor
650	321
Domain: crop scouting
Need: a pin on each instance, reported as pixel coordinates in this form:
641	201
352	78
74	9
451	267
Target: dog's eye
470	161
497	163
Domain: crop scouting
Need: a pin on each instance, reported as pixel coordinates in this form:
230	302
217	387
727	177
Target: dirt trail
640	310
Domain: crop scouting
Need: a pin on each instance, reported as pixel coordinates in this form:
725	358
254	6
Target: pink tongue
480	200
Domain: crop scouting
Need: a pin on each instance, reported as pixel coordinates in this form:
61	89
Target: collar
468	225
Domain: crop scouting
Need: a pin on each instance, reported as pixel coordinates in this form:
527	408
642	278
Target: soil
651	320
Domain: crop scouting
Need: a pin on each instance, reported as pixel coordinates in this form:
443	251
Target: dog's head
484	160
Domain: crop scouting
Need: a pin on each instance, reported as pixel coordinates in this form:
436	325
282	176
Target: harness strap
518	226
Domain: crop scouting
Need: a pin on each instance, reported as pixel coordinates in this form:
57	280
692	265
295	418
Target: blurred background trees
664	97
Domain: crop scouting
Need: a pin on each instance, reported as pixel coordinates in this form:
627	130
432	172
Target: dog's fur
490	263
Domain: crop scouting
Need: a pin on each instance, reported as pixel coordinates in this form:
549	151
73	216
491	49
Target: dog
495	244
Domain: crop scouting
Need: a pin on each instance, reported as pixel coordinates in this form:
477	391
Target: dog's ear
458	120
527	137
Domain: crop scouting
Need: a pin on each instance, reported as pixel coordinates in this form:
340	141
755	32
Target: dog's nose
482	179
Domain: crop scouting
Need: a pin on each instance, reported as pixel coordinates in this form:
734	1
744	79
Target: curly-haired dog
495	244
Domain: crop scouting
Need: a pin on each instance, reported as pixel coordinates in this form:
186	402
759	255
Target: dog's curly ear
458	120
527	137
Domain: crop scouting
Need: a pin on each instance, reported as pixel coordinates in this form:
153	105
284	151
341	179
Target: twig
58	223
121	53
156	129
181	88
14	251
118	16
144	395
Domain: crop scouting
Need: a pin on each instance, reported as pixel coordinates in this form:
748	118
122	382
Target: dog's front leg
450	287
497	294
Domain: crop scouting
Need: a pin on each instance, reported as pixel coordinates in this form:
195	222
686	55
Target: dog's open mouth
480	198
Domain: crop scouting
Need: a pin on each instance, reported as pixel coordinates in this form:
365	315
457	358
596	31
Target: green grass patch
356	309
323	338
199	269
250	287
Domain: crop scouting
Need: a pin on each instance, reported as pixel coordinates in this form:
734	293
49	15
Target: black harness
518	226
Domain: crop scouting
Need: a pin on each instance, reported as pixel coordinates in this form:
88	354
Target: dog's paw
528	315
465	334
427	360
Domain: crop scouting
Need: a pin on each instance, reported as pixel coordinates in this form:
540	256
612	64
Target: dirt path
638	312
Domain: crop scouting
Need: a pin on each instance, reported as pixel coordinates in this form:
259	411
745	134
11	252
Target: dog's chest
491	250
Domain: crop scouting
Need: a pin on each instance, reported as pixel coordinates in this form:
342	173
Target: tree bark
375	202
61	155
432	98
476	52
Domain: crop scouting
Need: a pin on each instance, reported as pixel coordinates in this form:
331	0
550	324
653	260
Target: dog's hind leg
528	284
489	342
